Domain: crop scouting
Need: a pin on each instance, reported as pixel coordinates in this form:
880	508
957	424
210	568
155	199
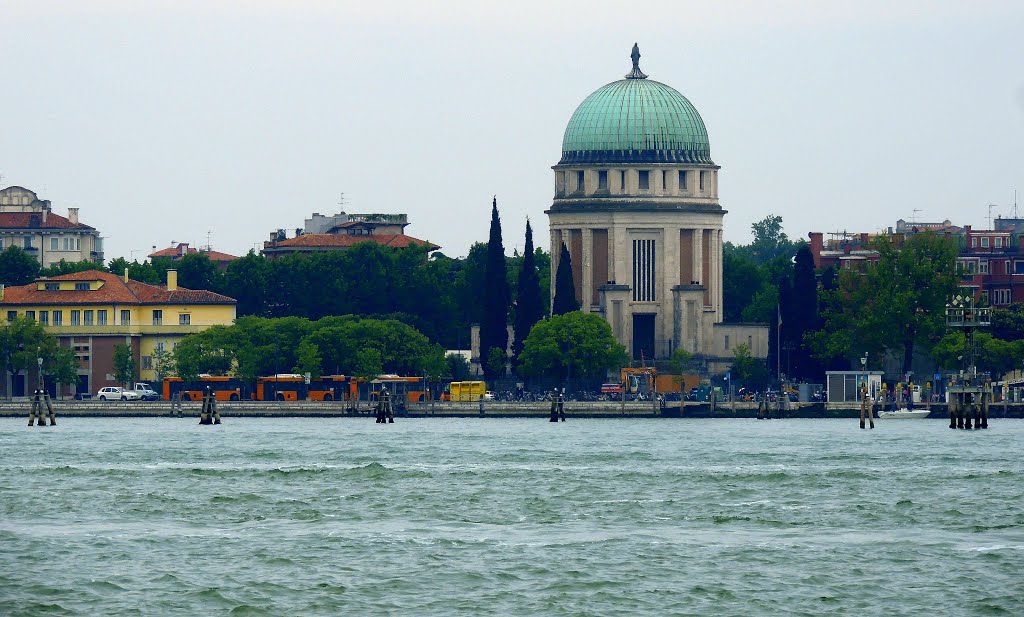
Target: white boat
906	414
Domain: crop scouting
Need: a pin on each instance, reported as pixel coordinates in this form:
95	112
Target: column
586	269
698	256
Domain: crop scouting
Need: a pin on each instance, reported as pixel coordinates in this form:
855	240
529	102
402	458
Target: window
30	314
147	363
81	286
702	181
88	317
58	318
622	180
101	317
602	180
184	319
998	242
28	242
11	316
644	179
1006	267
682	180
126	317
76	318
54	244
69	244
983	267
580	181
974	243
969	267
161	347
984	297
664	179
158	318
1	243
727	341
52	287
750	342
78	244
984	242
643	271
44	317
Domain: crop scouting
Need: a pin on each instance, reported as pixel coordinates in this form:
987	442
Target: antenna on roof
209	245
341	201
990	206
1014	200
913	215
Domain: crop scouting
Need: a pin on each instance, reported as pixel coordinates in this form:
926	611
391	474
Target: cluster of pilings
209	413
40	399
867	407
967	406
385	408
557	406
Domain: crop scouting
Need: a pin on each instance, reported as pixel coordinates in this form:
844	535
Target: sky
217	122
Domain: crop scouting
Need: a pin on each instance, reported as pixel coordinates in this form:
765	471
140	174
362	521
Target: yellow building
95	311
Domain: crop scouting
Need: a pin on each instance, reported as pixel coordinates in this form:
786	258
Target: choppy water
510	517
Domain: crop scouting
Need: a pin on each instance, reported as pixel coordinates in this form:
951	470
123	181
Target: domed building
636	205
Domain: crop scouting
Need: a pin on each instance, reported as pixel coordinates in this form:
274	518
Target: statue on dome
636	73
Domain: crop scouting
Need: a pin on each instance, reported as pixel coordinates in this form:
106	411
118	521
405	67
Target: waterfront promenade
441	409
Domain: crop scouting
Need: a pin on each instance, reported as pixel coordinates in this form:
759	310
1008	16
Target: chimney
172	280
1	292
126	275
73	216
46	212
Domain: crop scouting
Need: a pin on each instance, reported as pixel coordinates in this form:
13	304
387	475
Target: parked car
145	392
117	393
488	396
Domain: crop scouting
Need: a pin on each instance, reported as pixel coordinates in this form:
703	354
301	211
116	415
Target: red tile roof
340	241
175	252
114	291
34	220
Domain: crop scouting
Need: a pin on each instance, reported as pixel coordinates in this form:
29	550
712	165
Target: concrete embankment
490	409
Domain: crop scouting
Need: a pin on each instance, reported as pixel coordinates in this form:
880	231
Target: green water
510	517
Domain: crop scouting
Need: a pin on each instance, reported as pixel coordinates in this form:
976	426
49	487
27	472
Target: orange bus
281	387
329	388
224	388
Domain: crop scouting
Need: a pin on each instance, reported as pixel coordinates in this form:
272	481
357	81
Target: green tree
69	267
163	364
17	267
368	363
196	271
457	368
61	365
19	343
770	242
308	359
124	364
801	314
565	288
890	307
746	369
529	306
581	341
496	360
496	296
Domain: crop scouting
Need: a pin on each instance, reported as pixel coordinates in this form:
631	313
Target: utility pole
990	206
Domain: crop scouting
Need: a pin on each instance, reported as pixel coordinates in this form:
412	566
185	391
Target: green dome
636	120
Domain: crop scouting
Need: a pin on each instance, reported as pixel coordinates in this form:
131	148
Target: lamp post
39	365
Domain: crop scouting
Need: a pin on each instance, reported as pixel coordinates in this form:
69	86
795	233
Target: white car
117	393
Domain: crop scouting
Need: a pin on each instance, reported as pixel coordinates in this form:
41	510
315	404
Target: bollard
49	408
984	411
952	412
32	410
554	408
213	408
561	407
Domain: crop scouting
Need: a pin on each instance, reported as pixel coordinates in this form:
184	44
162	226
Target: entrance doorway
643	336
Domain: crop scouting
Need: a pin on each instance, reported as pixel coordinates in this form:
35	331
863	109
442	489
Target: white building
636	204
30	224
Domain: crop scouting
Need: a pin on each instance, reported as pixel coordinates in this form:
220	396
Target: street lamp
39	363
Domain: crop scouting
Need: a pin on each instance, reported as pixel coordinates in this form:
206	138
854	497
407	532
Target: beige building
636	204
30	224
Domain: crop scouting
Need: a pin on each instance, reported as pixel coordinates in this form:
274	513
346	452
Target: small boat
906	414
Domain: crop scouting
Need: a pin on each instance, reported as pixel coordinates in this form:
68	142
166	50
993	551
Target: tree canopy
565	287
529	306
496	299
893	305
578	343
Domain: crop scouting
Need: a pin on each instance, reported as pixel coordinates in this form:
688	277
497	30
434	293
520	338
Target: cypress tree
565	287
496	296
529	309
804	311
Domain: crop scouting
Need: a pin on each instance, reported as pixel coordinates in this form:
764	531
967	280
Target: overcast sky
169	121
